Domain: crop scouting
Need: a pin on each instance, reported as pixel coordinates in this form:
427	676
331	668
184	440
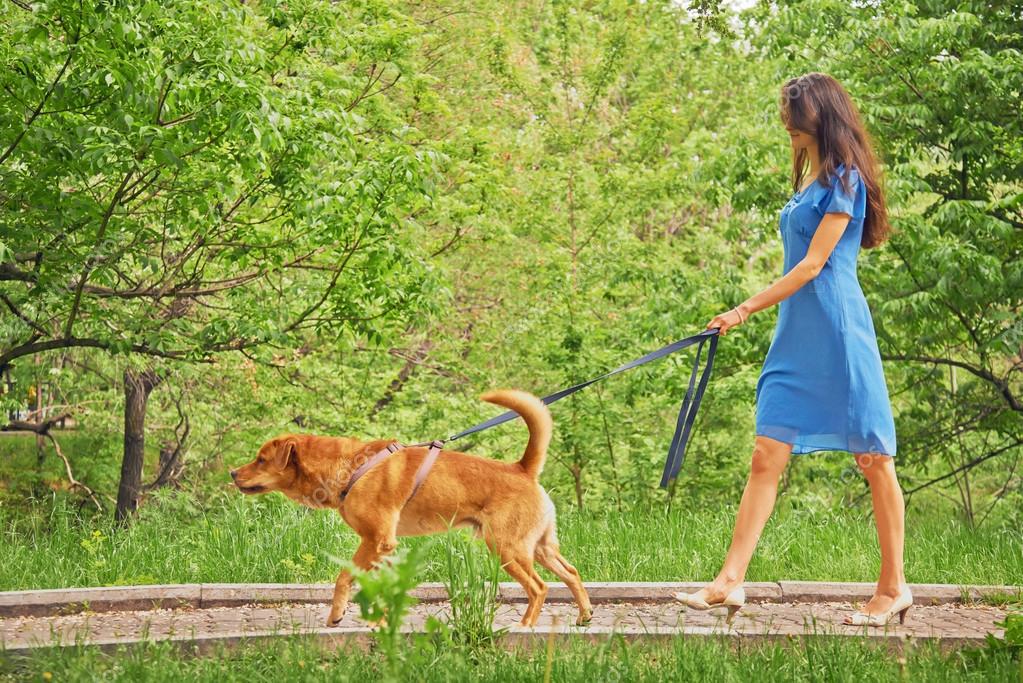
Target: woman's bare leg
769	460
890	519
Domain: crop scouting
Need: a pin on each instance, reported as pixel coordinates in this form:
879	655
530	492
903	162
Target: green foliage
384	598
1009	646
302	570
472	577
1013	625
507	196
611	659
188	178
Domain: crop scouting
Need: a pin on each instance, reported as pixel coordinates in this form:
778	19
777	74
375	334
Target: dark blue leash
686	416
676	451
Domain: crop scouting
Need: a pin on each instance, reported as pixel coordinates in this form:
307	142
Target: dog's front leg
342	590
366	555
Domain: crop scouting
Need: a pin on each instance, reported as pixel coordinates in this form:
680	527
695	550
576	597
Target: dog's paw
334	619
584	618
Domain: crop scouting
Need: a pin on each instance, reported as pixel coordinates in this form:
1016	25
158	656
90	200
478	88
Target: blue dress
822	387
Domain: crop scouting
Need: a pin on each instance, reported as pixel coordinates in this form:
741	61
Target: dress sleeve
836	199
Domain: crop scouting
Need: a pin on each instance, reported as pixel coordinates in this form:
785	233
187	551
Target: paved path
952	624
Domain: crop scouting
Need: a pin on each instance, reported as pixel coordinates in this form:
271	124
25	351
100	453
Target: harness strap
426	466
421	472
368	465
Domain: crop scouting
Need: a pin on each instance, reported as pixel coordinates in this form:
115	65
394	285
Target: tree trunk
137	387
39	417
577	479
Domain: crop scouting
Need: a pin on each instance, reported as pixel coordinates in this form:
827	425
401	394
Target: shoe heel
732	610
902	616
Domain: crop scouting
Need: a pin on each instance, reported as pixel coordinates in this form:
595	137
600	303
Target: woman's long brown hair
818	104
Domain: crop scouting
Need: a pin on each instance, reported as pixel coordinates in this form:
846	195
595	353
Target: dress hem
817	449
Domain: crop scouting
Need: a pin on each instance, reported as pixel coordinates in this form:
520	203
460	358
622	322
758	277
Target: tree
185	179
609	116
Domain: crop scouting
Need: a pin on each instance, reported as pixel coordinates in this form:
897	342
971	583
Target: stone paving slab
134	598
228	594
102	599
948	624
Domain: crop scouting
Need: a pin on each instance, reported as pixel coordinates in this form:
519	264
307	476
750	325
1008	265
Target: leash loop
686	417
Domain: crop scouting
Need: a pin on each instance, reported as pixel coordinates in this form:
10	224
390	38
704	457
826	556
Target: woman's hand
727	320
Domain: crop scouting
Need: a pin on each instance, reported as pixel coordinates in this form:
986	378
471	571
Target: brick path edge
51	602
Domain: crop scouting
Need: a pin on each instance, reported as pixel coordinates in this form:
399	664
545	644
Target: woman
822	385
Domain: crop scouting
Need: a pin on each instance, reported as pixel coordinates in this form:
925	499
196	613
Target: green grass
183	537
234	538
299	659
1001	599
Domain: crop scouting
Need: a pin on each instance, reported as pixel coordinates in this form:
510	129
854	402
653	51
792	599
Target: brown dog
503	502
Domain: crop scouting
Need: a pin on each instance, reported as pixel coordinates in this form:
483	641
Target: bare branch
10	272
21	316
1003	385
43	429
79	342
92	259
169	460
967	466
71	475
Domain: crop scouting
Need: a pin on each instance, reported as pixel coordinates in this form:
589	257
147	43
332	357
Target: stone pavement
641	611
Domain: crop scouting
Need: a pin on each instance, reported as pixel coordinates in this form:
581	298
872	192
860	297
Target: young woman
822	386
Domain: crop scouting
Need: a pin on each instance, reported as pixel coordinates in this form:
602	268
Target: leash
679	442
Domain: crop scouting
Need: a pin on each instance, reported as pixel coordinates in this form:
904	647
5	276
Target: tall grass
233	538
472	578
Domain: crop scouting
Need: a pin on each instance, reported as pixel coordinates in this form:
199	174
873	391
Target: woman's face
800	139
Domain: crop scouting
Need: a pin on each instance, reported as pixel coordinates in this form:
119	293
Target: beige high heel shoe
900	606
733	601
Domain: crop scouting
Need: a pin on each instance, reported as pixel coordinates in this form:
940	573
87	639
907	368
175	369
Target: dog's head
274	469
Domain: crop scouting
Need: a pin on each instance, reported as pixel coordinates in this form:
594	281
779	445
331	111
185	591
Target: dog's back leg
519	564
520	568
548	554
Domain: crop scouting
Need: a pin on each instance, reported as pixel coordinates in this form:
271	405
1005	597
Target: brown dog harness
421	473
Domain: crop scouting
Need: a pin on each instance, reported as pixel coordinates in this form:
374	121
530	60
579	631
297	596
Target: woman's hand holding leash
729	319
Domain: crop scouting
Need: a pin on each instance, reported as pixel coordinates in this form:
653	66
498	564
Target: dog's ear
287	451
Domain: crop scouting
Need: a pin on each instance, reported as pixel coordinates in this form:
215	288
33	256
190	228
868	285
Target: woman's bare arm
821	245
829	231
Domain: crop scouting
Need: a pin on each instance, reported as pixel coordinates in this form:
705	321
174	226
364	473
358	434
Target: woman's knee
768	461
874	465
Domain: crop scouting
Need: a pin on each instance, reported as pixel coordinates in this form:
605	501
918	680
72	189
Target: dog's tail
538	420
